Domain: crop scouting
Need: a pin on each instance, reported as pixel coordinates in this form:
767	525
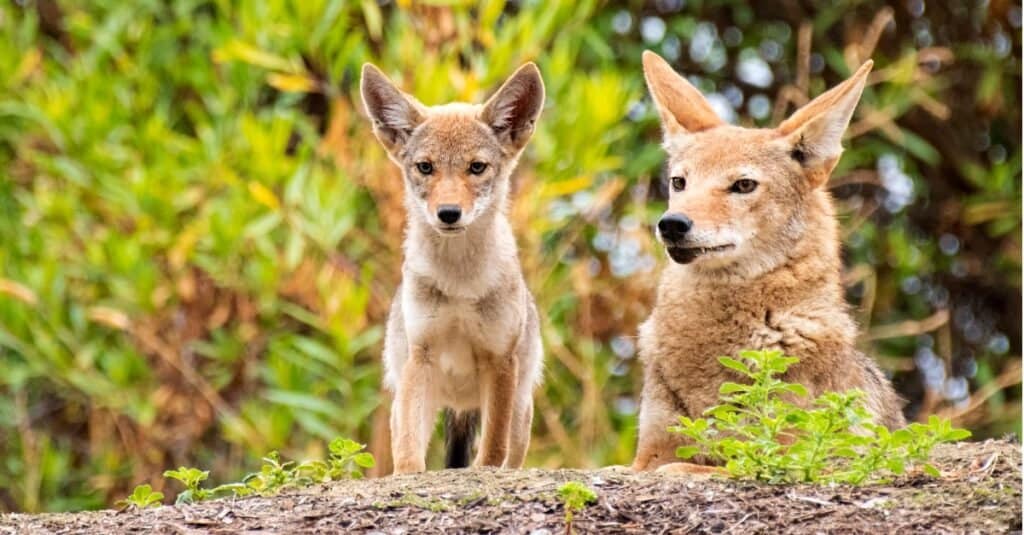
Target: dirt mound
980	492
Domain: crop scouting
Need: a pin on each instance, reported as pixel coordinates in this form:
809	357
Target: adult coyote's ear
682	107
814	133
513	110
394	114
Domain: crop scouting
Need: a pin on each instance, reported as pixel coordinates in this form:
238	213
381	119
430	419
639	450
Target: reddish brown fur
777	287
449	190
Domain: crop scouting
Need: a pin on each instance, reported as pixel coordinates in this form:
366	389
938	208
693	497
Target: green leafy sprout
346	460
575	497
759	433
142	497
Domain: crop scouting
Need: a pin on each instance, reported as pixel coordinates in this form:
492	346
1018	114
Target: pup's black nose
674	226
449	213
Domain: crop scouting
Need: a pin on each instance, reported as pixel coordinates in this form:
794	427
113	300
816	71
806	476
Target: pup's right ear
513	110
682	107
394	114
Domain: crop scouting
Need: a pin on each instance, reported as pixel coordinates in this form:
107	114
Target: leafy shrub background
199	236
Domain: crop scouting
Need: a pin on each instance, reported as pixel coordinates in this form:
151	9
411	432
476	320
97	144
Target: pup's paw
410	467
690	470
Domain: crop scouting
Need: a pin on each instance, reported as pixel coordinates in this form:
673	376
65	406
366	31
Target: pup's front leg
522	417
412	414
498	386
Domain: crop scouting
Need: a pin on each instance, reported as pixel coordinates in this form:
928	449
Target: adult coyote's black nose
449	213
674	226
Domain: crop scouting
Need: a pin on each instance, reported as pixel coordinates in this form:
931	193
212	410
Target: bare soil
980	492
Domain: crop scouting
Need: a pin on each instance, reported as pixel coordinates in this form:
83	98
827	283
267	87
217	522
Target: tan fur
450	190
776	285
463	331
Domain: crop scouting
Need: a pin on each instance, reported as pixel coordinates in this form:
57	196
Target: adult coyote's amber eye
425	167
743	185
477	168
678	183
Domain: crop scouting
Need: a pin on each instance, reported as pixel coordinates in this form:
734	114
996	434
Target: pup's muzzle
449	214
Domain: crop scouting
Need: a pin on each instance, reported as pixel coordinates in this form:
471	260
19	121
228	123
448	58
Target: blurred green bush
200	236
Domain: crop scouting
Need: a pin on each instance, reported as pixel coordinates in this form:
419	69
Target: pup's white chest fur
456	333
458	382
450	335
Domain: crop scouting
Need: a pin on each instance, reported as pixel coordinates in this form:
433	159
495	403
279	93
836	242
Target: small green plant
575	496
191	478
759	433
142	497
346	460
273	476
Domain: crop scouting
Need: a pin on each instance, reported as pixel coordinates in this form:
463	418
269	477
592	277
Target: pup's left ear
814	133
513	110
395	115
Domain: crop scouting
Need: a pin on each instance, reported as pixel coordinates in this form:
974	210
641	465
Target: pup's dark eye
678	183
743	185
477	168
425	167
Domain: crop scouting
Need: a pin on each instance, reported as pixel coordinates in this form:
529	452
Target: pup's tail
459	432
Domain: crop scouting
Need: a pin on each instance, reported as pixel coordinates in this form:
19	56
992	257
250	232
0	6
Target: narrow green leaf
687	452
734	364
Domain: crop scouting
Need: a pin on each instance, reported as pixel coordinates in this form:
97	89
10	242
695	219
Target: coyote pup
755	245
462	333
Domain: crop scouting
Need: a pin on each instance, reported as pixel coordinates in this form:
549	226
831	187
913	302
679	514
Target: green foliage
346	460
575	497
142	497
191	478
763	431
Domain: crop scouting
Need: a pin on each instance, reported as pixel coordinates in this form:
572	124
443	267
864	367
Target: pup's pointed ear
683	109
513	110
814	133
394	114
